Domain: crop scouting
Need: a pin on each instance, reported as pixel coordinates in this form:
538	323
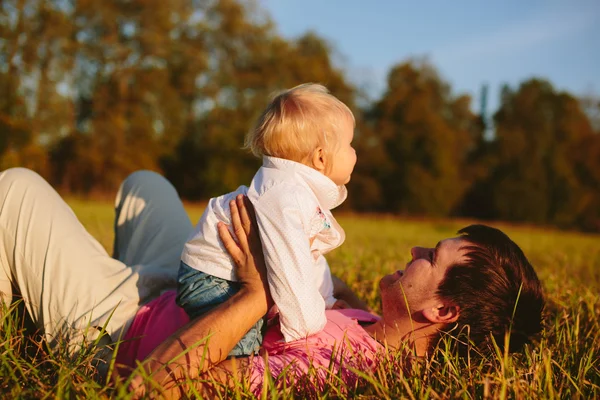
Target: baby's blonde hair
298	121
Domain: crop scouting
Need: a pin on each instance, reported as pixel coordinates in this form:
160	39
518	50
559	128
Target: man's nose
420	252
417	252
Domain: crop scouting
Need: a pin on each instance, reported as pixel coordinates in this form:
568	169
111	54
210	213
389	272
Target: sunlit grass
562	363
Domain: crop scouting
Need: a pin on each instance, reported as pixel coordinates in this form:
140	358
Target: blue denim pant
198	293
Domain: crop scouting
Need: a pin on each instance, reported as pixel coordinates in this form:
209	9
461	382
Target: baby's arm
324	282
336	293
290	266
346	295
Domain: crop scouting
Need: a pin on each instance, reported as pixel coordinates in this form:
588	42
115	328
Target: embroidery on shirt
326	224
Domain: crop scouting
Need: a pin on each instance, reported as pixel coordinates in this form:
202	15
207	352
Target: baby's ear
318	160
442	313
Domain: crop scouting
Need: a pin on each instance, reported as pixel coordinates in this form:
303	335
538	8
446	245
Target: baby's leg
250	343
198	292
65	277
151	228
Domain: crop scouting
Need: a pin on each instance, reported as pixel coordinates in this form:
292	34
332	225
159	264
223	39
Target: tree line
93	90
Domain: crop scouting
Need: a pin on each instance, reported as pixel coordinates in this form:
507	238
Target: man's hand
188	353
247	252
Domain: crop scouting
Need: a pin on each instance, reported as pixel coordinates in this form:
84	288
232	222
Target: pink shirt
342	340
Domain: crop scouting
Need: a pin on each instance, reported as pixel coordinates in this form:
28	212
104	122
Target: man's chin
390	279
385	281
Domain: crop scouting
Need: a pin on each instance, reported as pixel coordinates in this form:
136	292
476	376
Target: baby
304	138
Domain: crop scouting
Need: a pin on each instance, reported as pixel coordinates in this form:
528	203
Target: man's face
413	290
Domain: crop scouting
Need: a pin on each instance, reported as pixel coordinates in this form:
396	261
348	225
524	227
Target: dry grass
563	363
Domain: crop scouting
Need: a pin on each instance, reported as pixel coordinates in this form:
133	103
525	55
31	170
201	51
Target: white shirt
292	203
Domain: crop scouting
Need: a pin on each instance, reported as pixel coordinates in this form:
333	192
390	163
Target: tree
30	110
425	135
134	88
538	131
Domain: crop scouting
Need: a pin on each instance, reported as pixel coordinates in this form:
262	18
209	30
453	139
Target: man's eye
431	255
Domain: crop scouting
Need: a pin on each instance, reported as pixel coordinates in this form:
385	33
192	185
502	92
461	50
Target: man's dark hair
496	289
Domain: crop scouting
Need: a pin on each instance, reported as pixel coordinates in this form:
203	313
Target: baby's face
344	159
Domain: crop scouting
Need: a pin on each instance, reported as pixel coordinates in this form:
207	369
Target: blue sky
470	42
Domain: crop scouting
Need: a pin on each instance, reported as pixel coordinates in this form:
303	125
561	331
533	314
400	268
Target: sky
470	42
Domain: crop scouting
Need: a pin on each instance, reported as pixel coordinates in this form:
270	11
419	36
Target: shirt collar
328	193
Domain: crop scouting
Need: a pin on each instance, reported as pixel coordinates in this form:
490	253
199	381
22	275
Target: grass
564	362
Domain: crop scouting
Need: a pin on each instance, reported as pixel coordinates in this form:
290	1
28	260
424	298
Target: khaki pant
67	280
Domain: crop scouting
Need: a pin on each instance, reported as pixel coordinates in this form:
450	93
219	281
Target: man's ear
442	313
318	160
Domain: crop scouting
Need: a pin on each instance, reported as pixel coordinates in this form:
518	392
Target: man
480	279
73	289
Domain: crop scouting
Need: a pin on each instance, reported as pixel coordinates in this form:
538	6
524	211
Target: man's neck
403	333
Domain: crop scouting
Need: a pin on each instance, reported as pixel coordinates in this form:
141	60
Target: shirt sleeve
290	266
324	281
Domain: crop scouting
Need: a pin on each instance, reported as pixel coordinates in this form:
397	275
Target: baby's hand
340	305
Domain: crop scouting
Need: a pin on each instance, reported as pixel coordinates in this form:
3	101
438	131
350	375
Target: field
564	362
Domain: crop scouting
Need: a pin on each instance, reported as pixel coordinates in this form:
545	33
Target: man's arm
206	341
